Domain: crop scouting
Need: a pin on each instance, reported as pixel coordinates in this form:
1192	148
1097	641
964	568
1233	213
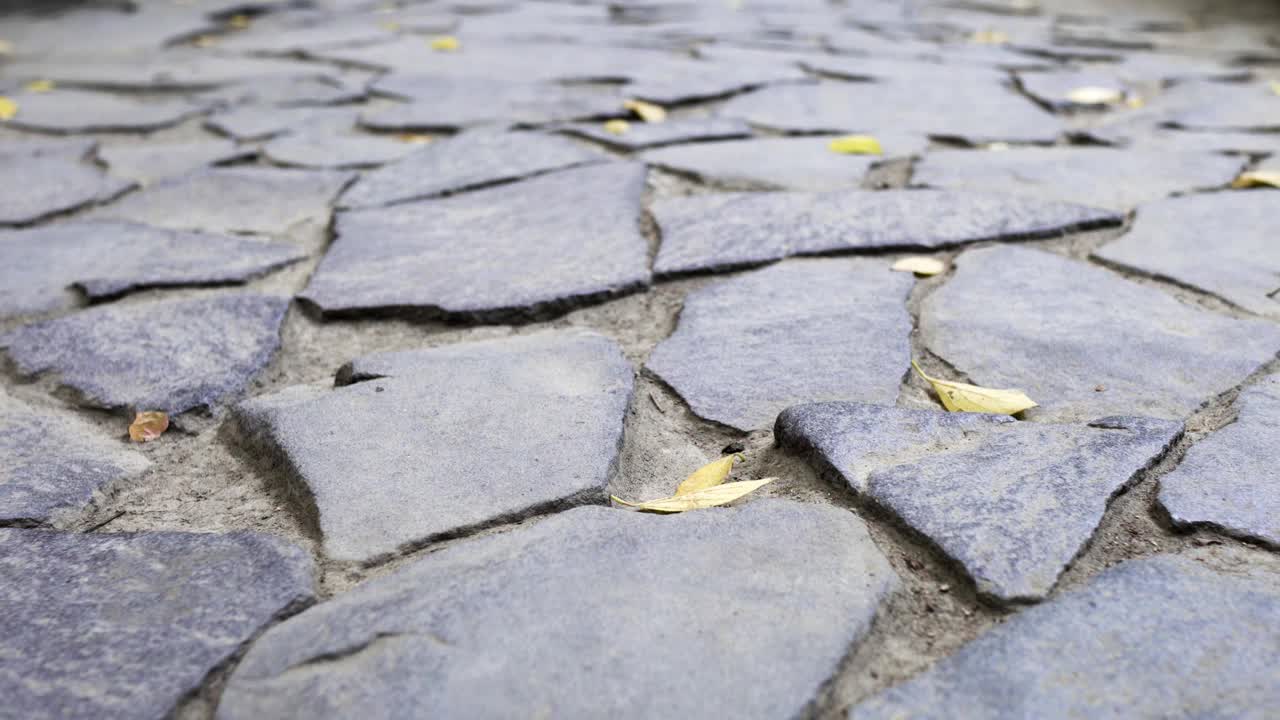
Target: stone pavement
420	286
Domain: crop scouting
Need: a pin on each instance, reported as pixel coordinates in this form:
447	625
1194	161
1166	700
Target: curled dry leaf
963	397
1091	95
920	265
708	497
39	86
148	426
1257	178
617	127
8	108
709	475
445	43
856	145
646	111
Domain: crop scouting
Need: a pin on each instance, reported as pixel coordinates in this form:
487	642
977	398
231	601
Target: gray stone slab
322	148
126	625
52	463
706	232
56	177
642	135
175	69
1098	177
1226	106
801	331
114	30
592	612
258	122
685	81
515	427
1012	502
466	161
287	91
77	111
234	200
44	268
169	355
1160	637
525	248
1066	329
441	103
1229	479
145	163
1173	68
1217	242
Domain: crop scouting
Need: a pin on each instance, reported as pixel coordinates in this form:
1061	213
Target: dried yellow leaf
414	138
39	86
709	475
989	37
646	111
963	397
1091	95
6	47
1257	178
8	108
617	127
148	426
856	145
1275	86
920	265
445	43
205	41
239	22
708	497
1135	102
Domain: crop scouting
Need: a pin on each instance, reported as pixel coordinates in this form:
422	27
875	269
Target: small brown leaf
148	426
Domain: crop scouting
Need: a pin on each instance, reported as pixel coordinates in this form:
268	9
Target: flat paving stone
445	103
56	177
1229	479
258	122
126	625
324	148
52	463
684	81
265	201
287	92
642	135
1170	239
723	230
1067	328
514	427
803	331
174	69
585	614
563	238
1012	502
1098	177
78	111
41	269
466	161
169	355
1226	106
146	163
1137	641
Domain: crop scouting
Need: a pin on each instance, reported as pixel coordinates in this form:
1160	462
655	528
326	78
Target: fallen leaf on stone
1275	86
1090	95
1135	102
648	112
445	43
8	108
709	497
963	397
1257	178
39	86
148	426
920	265
6	48
989	37
856	145
709	475
414	138
239	22
205	41
617	127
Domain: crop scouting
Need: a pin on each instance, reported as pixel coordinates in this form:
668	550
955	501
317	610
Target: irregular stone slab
704	232
56	177
148	162
1168	240
234	200
448	103
1229	479
1098	177
559	239
1054	88
466	161
114	30
322	148
261	122
1171	68
777	163
52	463
126	625
1067	328
1013	502
77	111
641	135
802	331
684	81
40	267
285	91
170	355
1143	638
517	426
584	594
1226	106
174	69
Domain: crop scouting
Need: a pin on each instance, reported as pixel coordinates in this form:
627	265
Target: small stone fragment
55	177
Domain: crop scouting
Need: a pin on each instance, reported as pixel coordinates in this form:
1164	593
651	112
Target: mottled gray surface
739	613
126	625
436	102
290	91
705	232
1226	106
257	122
528	247
1065	328
1100	177
801	331
55	177
1012	502
466	161
324	148
43	269
641	135
174	69
1160	637
170	355
146	163
78	111
1221	243
467	436
1230	479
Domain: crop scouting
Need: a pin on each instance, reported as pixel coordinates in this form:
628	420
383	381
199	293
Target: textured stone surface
257	122
126	625
56	177
1013	502
590	612
802	331
1229	479
170	355
323	148
146	163
1217	242
704	232
466	161
514	426
527	247
441	102
641	135
42	268
77	111
1226	106
1137	641
1065	328
1099	177
170	70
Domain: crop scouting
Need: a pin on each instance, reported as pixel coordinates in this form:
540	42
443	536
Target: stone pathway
421	285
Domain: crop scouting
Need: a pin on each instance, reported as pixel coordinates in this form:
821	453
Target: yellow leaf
1275	86
40	86
963	397
6	47
709	497
617	127
920	265
239	22
205	41
414	138
8	108
445	43
1135	101
647	112
148	426
856	145
1257	178
1091	95
709	475
989	37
